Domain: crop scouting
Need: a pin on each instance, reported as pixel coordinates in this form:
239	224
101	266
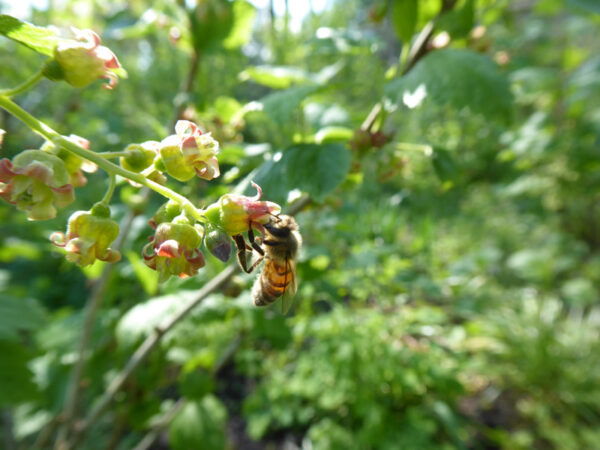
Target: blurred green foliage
449	280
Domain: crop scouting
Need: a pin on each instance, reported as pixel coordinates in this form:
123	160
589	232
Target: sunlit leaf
459	79
241	31
276	77
316	169
280	106
42	40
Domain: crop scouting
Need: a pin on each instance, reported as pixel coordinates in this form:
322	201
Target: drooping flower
236	214
89	233
189	152
174	249
83	60
36	182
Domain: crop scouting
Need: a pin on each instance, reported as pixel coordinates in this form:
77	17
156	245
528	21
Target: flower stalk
109	167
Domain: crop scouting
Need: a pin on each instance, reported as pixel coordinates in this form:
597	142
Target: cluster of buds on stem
174	249
40	181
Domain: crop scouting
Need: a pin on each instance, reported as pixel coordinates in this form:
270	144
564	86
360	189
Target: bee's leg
241	245
253	243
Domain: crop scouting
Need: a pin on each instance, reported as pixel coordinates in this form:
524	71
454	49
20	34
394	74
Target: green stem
109	167
112	183
23	87
409	146
108	155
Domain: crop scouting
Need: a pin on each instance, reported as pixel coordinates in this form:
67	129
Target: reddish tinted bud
83	60
235	214
89	233
35	182
189	153
174	249
379	139
361	140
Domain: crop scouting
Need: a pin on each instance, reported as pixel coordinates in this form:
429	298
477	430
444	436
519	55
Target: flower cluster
236	214
174	249
42	180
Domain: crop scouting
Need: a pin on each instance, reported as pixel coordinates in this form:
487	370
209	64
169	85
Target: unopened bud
219	244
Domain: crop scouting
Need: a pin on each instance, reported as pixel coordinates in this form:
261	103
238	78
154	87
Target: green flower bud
88	236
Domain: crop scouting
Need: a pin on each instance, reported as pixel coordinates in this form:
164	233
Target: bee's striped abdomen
271	283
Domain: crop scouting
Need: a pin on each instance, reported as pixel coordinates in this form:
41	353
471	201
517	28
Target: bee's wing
292	286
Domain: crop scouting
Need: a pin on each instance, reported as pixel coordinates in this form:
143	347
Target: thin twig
164	422
7	430
417	51
92	305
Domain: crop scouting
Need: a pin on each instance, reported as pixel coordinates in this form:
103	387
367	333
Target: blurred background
449	280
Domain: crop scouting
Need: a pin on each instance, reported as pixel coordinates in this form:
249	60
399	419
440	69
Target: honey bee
281	243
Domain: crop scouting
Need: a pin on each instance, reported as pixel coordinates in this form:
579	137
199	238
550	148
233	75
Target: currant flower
189	153
36	182
235	214
89	233
84	60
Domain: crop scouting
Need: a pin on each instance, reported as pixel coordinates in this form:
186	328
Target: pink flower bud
35	181
83	60
88	236
236	214
189	153
174	249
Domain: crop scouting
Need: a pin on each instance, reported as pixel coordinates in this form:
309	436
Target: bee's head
281	226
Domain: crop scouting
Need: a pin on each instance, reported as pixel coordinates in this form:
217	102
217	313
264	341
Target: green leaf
312	168
15	376
275	77
589	5
333	134
39	39
146	276
19	315
404	18
458	22
280	106
316	169
443	165
199	424
459	79
195	384
241	31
